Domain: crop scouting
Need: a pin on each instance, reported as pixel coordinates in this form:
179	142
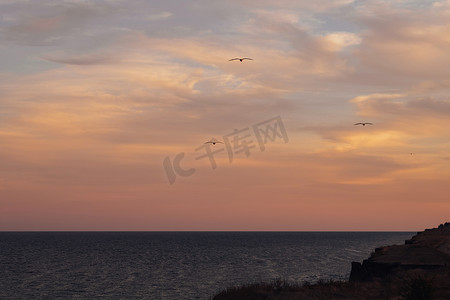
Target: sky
105	108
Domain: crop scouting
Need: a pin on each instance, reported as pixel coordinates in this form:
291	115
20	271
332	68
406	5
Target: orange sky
95	95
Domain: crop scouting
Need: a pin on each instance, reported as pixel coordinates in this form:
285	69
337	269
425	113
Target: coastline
418	269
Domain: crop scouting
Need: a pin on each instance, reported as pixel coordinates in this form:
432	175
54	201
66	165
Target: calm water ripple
172	265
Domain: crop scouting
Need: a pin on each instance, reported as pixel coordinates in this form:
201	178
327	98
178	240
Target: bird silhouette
363	123
241	59
213	141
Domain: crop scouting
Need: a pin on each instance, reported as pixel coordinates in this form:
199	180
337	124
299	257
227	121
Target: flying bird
363	123
241	59
213	141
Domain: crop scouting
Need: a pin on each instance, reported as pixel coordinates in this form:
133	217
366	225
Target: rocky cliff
428	251
419	269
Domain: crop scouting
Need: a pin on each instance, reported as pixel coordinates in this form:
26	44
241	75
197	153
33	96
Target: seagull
241	59
213	141
363	123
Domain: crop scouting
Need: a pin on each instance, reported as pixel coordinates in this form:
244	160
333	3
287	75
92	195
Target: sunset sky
96	95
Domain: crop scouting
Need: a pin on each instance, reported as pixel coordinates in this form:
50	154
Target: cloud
125	86
316	6
50	24
402	106
86	59
406	42
160	16
343	39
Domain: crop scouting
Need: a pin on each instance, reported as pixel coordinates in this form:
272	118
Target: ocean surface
173	265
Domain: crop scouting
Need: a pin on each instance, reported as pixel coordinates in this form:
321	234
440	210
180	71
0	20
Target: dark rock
355	274
428	250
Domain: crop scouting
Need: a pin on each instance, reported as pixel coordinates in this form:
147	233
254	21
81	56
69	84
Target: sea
173	265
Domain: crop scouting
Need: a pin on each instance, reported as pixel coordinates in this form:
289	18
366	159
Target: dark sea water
172	265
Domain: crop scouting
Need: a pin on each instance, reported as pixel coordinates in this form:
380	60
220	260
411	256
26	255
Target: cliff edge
427	252
419	269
